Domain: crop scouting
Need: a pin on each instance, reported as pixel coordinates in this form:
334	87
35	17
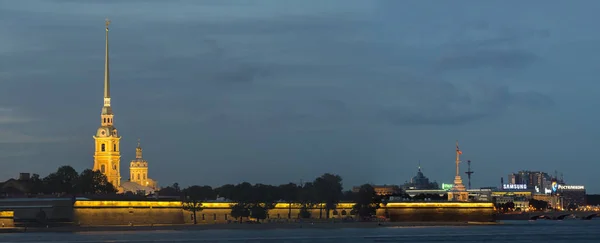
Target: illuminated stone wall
156	212
436	211
127	212
221	213
7	219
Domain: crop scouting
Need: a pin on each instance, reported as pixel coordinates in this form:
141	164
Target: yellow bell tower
138	168
107	156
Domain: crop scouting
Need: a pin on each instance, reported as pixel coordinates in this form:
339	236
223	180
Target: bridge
560	215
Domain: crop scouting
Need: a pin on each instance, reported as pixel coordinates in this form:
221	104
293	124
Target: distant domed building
420	182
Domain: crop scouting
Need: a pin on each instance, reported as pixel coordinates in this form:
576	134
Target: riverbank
265	226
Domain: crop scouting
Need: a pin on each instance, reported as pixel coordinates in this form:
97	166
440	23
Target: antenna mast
469	172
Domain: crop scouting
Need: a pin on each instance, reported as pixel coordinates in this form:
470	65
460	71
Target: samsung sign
570	187
514	187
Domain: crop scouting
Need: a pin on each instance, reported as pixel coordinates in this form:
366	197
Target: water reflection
510	231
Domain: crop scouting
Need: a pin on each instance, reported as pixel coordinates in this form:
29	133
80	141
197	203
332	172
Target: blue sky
278	91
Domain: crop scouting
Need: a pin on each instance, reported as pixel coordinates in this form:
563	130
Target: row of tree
67	181
254	201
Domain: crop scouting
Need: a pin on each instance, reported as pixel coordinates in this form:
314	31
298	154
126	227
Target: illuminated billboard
554	186
447	186
514	187
570	187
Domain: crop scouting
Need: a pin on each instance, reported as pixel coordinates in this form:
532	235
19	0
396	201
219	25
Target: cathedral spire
106	70
107	114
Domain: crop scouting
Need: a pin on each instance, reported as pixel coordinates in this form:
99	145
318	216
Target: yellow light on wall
7	214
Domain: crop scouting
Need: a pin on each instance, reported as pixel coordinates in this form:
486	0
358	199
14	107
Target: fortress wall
7	219
157	212
126	216
221	213
448	212
26	209
127	212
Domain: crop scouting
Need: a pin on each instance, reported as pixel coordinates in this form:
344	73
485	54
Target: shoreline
264	226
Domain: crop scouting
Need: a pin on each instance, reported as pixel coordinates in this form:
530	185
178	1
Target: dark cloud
221	91
459	108
506	59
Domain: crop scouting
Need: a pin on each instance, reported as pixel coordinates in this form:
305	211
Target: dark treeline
66	181
254	201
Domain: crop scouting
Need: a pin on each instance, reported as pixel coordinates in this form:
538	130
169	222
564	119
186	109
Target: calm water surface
516	231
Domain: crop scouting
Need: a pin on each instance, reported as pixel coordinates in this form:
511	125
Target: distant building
572	195
382	190
21	186
540	181
420	182
482	195
521	203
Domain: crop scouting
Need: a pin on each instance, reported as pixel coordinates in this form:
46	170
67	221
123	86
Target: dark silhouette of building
420	182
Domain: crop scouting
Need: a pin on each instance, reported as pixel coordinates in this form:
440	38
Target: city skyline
222	92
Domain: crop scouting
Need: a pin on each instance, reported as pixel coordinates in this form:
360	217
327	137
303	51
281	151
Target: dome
106	132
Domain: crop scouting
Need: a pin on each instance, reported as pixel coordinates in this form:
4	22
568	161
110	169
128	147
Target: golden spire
106	69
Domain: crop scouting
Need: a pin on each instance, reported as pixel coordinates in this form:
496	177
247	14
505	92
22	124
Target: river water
515	231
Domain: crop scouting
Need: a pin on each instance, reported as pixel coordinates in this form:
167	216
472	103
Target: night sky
277	91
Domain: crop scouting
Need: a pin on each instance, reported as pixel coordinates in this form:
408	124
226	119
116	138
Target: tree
37	184
239	211
264	198
226	191
367	202
289	194
61	181
193	198
329	190
307	199
538	204
508	206
348	196
173	190
93	182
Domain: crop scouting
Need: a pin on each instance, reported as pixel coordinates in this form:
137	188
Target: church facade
107	155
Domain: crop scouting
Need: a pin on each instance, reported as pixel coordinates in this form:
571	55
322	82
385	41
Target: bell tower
139	168
107	156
